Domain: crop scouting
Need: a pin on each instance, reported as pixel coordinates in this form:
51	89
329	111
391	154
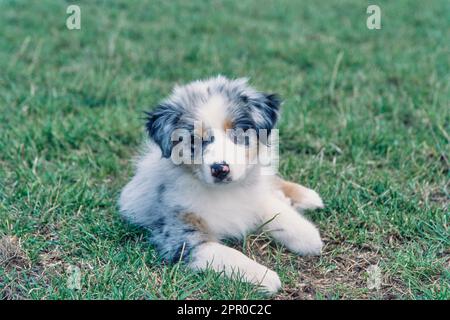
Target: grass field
365	122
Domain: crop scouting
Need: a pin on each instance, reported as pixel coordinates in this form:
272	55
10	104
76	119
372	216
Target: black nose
220	170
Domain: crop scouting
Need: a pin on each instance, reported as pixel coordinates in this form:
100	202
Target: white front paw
310	200
269	282
309	242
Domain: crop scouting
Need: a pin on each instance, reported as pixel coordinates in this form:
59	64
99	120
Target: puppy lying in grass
200	181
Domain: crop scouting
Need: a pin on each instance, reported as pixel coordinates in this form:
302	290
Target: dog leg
302	198
187	238
291	229
234	264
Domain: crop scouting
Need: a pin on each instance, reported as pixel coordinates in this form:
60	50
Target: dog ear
160	125
266	108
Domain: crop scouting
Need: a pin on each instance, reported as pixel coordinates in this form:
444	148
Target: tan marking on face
227	125
198	223
200	130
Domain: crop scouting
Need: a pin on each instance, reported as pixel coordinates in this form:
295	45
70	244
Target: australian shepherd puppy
201	181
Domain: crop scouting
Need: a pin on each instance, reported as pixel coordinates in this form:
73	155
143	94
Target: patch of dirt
19	268
440	198
343	275
51	260
341	272
12	255
436	194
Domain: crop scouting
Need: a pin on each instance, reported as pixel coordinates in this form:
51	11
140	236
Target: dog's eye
196	142
208	139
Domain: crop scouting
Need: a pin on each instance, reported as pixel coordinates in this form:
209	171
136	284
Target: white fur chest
229	211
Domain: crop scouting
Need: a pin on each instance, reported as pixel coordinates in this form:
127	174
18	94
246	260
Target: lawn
365	122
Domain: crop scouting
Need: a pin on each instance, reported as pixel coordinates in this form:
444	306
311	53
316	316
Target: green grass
365	122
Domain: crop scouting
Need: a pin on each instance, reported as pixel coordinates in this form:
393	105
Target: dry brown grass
340	272
12	255
16	262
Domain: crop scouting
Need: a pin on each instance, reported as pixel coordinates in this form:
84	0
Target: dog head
214	128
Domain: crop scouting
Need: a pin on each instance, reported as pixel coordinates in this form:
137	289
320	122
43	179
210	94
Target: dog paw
308	201
309	242
312	245
270	283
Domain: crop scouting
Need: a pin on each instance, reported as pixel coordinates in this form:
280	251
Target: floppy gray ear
160	125
267	107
